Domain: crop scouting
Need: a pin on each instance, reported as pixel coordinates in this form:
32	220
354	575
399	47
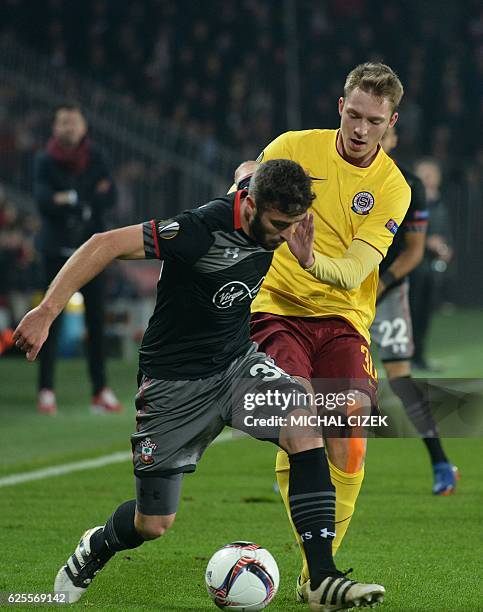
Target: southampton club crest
147	451
362	202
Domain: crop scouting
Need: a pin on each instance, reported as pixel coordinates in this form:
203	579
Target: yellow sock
347	487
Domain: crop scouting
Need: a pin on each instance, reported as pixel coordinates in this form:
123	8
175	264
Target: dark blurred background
178	93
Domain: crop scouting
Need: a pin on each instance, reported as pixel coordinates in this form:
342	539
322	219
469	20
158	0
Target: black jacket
66	227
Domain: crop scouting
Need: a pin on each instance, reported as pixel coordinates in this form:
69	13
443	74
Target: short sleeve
417	217
383	221
183	239
277	149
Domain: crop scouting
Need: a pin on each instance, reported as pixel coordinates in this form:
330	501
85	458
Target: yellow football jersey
366	204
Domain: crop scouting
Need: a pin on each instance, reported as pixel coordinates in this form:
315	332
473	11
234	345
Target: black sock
435	450
119	532
312	506
415	404
99	546
417	409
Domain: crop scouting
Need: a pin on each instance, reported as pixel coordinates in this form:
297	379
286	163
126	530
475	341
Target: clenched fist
32	331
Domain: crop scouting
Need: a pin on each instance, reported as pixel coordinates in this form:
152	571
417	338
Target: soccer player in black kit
197	363
391	330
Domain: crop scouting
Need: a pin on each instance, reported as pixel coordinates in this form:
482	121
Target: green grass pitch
426	551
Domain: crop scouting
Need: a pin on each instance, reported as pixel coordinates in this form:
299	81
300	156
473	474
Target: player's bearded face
260	234
268	235
364	120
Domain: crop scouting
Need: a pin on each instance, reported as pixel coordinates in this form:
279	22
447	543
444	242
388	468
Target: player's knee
292	445
153	527
397	369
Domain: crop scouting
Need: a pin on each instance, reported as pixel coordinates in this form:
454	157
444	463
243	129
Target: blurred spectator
182	59
190	64
18	262
426	279
73	189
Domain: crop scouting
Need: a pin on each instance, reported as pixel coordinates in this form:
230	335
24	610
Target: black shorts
178	419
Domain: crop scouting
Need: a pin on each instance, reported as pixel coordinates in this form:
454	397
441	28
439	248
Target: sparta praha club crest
362	202
147	451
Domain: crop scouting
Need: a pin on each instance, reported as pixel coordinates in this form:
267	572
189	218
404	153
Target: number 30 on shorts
367	364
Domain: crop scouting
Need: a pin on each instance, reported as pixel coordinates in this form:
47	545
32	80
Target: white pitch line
77	466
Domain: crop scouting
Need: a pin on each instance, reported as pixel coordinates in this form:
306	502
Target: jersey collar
356	169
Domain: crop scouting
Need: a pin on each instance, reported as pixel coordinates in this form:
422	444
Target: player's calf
348	453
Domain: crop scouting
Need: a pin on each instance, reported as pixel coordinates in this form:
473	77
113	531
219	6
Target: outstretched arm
86	263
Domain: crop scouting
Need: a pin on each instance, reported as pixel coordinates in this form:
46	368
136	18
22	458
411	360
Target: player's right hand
301	243
32	331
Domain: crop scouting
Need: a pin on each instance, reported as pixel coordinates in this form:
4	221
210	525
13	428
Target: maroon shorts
317	349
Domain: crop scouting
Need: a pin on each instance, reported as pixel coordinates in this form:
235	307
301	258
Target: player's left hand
301	243
32	331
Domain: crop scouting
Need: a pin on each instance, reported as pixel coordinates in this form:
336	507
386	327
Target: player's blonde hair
377	79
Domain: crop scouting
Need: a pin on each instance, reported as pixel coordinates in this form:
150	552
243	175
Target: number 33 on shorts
269	370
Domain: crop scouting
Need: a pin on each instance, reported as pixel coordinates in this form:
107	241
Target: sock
100	547
417	409
435	450
347	487
415	404
312	507
119	532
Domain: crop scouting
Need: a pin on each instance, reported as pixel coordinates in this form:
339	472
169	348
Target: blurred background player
73	189
426	279
392	331
314	322
17	266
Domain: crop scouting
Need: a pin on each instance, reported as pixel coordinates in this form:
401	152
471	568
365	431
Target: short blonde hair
377	79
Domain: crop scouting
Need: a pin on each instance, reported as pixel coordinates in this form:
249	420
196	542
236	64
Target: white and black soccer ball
242	576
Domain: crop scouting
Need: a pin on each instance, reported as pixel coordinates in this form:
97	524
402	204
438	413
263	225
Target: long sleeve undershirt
350	270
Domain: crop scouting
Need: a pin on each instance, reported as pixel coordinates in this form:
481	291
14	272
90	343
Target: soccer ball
242	576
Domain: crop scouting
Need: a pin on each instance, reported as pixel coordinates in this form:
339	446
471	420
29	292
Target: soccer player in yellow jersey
314	320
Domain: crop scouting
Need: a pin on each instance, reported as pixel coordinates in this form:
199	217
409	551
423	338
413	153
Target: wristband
389	279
